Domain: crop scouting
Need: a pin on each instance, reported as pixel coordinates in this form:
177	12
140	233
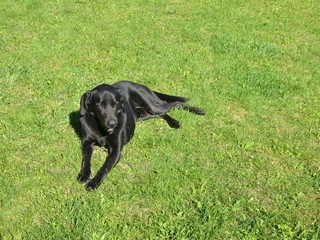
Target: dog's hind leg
171	121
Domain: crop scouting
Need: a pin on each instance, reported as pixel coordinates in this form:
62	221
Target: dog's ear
121	101
122	104
85	100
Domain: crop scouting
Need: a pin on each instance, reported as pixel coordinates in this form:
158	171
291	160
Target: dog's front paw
92	185
84	177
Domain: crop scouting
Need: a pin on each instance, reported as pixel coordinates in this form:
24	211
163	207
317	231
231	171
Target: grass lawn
249	169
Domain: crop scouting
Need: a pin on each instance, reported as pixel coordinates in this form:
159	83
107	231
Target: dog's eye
100	106
114	105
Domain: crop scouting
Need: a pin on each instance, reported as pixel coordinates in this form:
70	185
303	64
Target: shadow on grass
74	120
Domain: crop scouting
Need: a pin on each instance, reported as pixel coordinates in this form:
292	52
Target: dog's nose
112	123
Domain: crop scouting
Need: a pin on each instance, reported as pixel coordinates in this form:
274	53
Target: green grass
249	169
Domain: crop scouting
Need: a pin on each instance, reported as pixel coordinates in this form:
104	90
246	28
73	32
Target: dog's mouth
109	130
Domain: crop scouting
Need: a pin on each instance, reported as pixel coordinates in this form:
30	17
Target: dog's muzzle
111	125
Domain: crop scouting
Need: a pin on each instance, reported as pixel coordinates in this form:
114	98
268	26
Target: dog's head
104	103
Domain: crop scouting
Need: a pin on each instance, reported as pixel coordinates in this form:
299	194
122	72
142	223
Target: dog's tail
169	98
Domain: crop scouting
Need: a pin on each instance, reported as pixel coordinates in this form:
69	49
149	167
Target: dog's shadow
74	120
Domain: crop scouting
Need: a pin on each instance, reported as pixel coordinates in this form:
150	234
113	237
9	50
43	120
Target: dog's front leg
110	162
85	172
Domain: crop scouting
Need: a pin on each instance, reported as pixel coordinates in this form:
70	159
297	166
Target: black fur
108	114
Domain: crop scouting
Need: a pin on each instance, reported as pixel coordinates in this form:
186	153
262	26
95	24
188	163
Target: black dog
108	114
